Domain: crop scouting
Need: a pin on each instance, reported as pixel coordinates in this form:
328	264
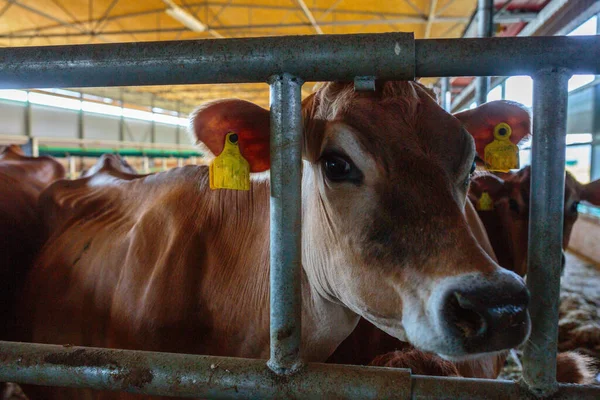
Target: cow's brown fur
22	179
163	263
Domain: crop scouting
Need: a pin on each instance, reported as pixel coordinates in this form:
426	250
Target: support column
550	98
286	228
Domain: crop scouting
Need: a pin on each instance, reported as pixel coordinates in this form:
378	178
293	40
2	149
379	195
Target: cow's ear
591	192
481	121
211	122
487	183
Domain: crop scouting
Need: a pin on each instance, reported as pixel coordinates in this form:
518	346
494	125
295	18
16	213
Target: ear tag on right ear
501	155
485	202
230	170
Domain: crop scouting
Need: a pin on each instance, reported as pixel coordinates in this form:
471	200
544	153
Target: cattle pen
285	63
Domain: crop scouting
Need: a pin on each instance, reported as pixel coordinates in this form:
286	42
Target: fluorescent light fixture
54	101
14	95
137	114
184	17
103	109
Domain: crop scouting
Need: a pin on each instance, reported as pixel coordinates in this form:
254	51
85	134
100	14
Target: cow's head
385	179
508	222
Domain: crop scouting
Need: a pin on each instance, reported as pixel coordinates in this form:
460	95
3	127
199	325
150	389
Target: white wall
63	123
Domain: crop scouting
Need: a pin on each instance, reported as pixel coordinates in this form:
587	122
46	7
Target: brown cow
21	181
506	227
507	224
114	164
164	263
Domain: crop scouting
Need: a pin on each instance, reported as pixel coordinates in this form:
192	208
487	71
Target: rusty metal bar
286	222
184	375
550	98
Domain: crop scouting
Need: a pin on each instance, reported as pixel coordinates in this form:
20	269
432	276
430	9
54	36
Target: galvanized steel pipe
503	56
484	30
316	58
185	375
312	58
286	222
546	226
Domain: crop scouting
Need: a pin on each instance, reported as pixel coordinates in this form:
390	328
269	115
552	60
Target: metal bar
501	56
315	58
446	93
286	217
184	375
550	98
484	30
80	124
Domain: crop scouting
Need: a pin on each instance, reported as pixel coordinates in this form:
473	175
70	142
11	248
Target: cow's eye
573	208
339	169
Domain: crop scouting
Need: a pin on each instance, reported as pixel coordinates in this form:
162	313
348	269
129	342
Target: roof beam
416	9
309	15
379	21
430	18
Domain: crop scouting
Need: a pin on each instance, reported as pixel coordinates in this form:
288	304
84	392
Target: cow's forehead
400	121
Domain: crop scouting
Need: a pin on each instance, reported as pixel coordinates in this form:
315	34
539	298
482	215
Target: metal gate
285	63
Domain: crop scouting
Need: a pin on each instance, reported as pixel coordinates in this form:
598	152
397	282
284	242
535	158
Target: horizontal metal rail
296	59
311	58
184	375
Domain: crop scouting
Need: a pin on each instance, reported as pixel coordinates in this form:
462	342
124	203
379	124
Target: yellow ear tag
485	202
230	170
501	155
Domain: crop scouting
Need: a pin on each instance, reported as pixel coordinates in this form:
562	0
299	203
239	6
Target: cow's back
147	263
21	181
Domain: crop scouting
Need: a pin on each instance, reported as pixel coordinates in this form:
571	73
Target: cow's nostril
466	319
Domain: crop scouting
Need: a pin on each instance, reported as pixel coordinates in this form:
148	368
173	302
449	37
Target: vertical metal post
72	169
178	127
80	133
286	222
546	227
595	153
121	121
153	126
446	94
31	148
146	164
484	29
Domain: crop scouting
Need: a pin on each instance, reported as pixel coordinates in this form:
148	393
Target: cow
507	228
113	163
164	263
507	224
22	179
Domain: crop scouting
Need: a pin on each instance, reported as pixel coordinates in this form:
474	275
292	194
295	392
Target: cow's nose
488	317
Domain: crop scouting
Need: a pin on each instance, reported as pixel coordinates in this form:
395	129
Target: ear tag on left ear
485	202
501	155
230	170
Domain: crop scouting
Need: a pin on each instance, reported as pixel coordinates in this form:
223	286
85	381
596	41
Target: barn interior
148	125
